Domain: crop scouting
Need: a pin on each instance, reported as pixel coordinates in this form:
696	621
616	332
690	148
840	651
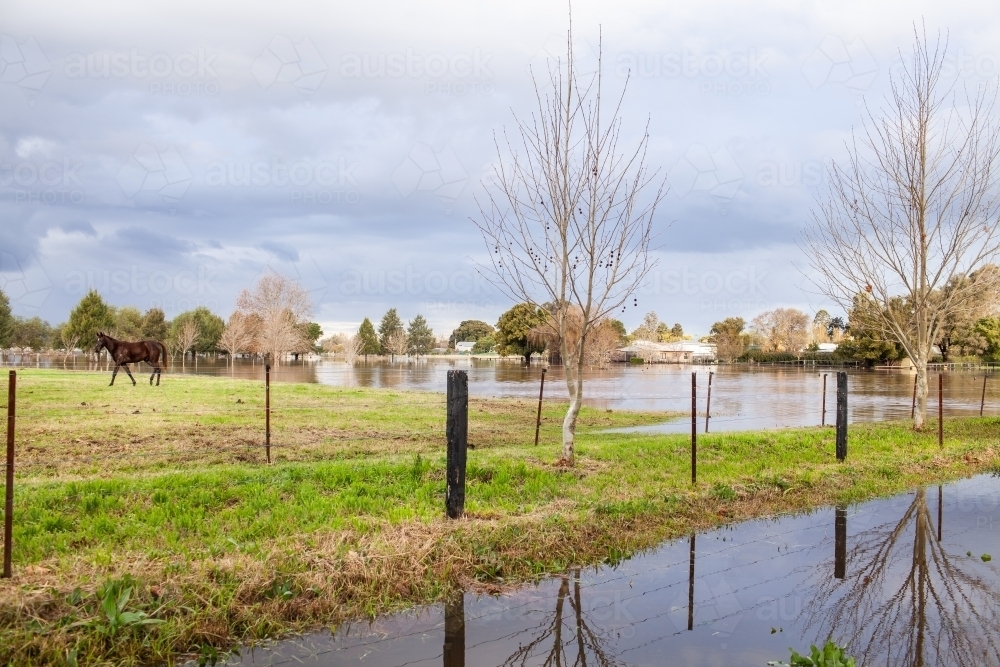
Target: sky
166	154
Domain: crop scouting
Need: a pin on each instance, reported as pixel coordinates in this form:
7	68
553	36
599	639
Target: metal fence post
708	402
538	419
913	406
8	509
694	428
841	415
267	411
823	418
982	402
940	409
457	431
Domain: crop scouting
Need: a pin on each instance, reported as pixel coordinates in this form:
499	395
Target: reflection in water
691	584
454	632
840	543
557	640
910	603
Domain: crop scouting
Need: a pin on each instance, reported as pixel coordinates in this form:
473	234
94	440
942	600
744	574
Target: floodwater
904	581
743	397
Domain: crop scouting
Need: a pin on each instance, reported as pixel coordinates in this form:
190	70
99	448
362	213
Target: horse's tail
163	351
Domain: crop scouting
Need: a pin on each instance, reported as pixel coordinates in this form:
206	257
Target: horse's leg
113	374
125	366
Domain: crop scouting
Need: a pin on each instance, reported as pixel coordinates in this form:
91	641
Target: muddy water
743	398
901	581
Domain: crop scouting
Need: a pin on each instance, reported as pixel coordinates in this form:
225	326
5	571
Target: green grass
178	505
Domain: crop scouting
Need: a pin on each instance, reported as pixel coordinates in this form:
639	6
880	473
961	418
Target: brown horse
124	353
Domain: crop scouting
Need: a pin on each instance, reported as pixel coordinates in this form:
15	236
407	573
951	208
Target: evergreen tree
154	325
6	321
420	337
89	317
369	343
469	330
390	326
128	323
512	331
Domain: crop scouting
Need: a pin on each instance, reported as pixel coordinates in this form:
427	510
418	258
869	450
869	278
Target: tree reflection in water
566	636
905	601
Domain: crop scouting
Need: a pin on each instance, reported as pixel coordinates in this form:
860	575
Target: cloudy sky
168	153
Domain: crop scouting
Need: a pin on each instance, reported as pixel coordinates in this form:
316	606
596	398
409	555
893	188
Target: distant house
679	352
465	347
827	347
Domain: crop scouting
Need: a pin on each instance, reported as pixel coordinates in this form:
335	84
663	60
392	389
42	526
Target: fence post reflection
840	543
691	586
454	632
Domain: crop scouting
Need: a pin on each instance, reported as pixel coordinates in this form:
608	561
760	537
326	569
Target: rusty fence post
538	419
694	427
823	418
940	409
267	411
982	401
708	402
8	508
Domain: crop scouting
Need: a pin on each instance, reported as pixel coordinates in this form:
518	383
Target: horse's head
102	342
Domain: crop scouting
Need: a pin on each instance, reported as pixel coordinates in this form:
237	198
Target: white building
678	352
465	347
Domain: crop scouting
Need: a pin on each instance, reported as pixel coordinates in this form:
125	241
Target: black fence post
8	508
538	419
841	415
267	412
913	406
840	543
457	430
940	511
694	428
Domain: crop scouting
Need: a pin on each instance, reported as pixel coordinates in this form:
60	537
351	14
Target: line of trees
271	320
391	339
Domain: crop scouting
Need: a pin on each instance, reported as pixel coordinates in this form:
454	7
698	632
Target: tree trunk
920	414
574	383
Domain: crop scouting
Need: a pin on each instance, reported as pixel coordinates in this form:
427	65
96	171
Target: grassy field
148	527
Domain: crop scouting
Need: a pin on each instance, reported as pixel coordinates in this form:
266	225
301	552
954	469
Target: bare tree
913	208
70	340
279	307
237	337
187	336
782	329
352	348
396	343
566	223
601	342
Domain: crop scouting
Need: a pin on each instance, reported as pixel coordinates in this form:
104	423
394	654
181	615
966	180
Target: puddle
900	580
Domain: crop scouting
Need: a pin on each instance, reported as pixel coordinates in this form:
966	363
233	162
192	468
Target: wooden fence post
8	508
538	419
841	415
457	431
694	427
267	411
